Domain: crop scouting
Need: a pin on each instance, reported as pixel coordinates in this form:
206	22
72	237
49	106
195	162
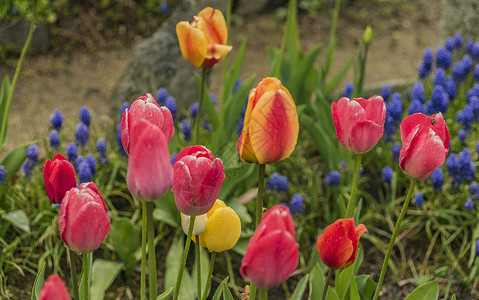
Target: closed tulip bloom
272	252
59	176
338	245
271	127
150	173
359	123
203	41
54	289
222	229
197	180
83	221
146	108
425	144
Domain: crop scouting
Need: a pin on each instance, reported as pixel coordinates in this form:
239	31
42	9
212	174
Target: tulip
146	108
425	144
150	173
203	41
59	176
270	130
198	227
197	179
338	245
222	228
272	252
54	289
359	123
83	221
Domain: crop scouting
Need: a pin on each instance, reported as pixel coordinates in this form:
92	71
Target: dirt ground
402	29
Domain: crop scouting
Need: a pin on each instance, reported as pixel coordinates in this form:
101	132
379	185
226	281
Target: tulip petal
335	246
410	123
376	110
54	289
222	230
193	43
345	114
182	186
364	136
213	24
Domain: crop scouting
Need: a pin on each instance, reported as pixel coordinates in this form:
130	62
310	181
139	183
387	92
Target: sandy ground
67	82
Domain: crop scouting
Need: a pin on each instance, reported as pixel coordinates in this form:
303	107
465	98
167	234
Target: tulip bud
83	221
272	252
425	144
368	36
197	179
359	123
146	108
338	245
203	41
150	173
271	127
54	289
59	176
198	227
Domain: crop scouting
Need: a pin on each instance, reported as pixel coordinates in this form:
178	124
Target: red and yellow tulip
203	41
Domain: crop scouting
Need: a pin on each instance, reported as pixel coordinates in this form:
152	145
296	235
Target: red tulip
150	173
359	122
54	289
83	221
271	127
59	176
272	252
146	108
197	179
425	144
338	245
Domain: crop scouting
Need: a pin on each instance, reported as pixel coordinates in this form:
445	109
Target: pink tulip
54	289
146	108
83	221
198	176
150	173
359	122
59	176
272	252
425	144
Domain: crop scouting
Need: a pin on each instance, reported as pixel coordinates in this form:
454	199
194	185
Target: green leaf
219	290
103	274
126	240
227	293
359	258
321	140
235	178
316	283
19	219
337	79
453	297
3	109
166	294
172	267
366	286
300	74
344	281
39	280
205	264
300	288
331	295
353	291
233	75
166	210
13	161
426	291
208	105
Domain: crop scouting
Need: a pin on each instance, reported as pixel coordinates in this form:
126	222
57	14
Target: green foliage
39	280
126	240
426	291
103	274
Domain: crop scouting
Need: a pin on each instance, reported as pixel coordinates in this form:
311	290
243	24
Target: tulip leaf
205	263
219	290
227	293
39	280
125	239
233	74
353	291
366	286
19	219
5	90
316	283
166	210
13	161
338	78
300	288
344	281
208	105
331	295
237	177
453	297
166	294
103	274
172	267
359	256
426	291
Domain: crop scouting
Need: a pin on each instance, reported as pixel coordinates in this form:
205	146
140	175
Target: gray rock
251	7
460	16
13	35
157	62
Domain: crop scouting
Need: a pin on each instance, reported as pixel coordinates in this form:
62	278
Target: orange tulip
270	130
203	41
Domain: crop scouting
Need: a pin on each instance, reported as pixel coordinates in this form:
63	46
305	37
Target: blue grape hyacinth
418	199
32	153
54	139
469	205
348	90
3	175
56	120
185	129
278	182
437	179
72	153
474	190
82	136
85	116
333	178
170	103
296	204
443	58
387	174
118	140
161	96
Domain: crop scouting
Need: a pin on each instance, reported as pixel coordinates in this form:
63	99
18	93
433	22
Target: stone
460	16
13	35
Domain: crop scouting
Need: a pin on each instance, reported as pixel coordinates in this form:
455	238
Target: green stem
143	252
252	292
198	265
86	275
183	260
210	274
73	272
263	294
350	207
326	284
228	26
259	202
277	63
393	238
362	70
151	251
200	106
3	125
